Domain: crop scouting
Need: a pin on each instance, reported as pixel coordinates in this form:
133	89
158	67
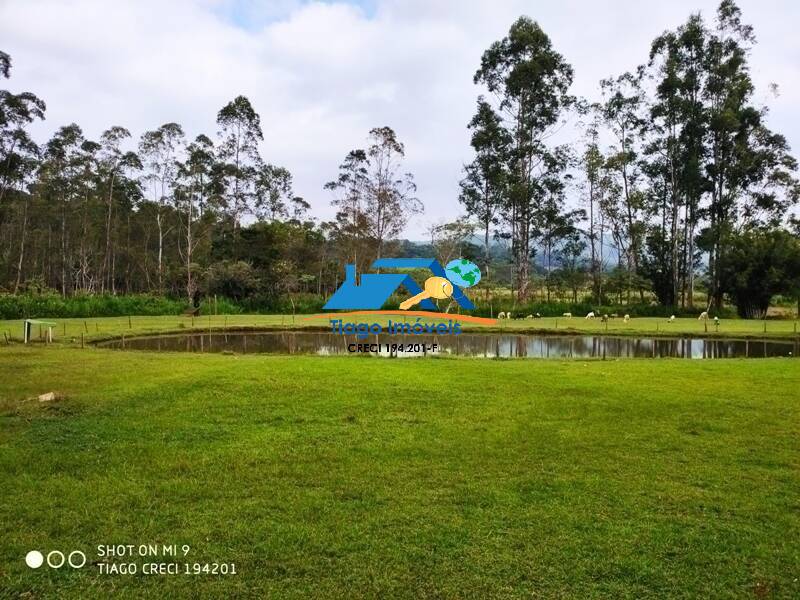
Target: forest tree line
677	186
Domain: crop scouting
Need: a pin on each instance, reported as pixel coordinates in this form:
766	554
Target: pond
482	345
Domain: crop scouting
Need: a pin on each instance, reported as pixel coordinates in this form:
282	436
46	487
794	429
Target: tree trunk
160	252
190	284
107	258
22	245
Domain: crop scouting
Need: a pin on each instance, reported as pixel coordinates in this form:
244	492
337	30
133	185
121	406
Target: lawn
442	478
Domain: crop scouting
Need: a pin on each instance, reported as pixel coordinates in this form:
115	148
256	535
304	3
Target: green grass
362	477
70	330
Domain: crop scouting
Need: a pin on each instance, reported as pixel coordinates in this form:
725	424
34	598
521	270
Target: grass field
347	477
70	330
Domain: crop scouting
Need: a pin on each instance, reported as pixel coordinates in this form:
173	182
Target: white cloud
322	74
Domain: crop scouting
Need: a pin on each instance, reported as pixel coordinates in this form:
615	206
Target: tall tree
197	186
159	151
596	185
743	154
16	112
483	188
239	135
350	189
390	199
374	194
531	81
113	163
622	110
59	173
273	192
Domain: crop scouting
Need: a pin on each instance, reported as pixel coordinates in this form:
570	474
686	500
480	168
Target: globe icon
462	272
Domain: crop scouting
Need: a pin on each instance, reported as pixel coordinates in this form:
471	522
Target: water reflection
476	345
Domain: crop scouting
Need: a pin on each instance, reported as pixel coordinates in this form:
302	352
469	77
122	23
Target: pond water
467	344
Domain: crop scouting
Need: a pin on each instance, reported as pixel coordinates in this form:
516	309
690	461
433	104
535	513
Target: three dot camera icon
55	559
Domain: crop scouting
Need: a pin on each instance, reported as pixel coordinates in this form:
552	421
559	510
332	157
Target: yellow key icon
435	287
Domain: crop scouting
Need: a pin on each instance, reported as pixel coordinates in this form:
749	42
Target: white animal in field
672	318
567	315
626	318
590	315
501	315
703	316
537	316
529	317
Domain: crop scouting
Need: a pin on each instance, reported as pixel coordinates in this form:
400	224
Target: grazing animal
613	315
501	315
568	315
537	316
529	317
626	318
672	318
590	315
716	320
703	316
604	318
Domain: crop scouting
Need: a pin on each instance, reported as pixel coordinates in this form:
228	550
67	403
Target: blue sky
322	74
252	15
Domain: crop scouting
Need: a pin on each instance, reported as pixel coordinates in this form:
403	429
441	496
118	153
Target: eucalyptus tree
622	110
59	176
25	170
390	198
16	112
375	197
553	222
89	191
237	149
751	173
350	190
196	189
272	192
159	151
484	185
113	164
531	82
596	178
676	150
451	240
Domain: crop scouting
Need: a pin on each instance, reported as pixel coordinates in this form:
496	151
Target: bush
27	306
556	309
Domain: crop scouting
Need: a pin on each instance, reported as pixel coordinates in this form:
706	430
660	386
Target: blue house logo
374	289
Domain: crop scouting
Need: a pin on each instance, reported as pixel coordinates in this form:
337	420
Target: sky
322	74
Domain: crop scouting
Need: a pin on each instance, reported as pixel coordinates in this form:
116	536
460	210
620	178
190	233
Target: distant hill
499	252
